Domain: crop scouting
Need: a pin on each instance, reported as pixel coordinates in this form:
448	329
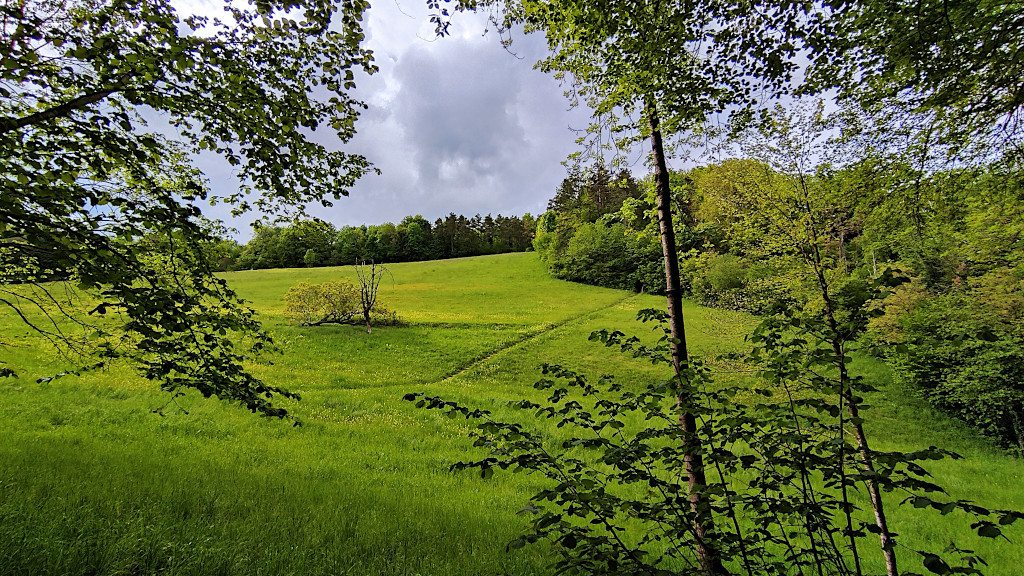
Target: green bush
647	263
333	302
716	279
965	354
605	253
727	273
596	254
336	302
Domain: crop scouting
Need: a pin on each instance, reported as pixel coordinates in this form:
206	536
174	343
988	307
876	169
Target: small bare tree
369	280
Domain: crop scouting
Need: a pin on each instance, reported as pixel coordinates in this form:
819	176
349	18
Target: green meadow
92	481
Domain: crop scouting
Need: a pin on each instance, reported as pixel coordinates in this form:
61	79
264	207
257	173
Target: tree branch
9	124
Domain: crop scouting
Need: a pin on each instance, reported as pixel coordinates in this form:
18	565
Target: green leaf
989	530
935	564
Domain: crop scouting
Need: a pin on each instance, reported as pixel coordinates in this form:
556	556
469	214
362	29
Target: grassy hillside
92	482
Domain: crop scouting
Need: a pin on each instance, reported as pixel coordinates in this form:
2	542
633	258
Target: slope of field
92	482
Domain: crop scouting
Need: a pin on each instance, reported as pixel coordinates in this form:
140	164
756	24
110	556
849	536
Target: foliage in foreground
90	196
784	477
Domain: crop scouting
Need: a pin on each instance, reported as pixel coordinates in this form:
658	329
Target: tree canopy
959	59
88	190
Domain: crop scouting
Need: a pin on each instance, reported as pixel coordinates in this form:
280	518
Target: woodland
951	330
310	243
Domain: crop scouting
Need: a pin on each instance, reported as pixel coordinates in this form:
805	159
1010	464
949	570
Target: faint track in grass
523	340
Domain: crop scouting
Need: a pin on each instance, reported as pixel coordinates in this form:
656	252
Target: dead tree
369	280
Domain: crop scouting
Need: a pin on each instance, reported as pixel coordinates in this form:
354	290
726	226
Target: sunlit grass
92	482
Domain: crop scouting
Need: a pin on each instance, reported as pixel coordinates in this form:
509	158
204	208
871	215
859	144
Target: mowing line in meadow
526	338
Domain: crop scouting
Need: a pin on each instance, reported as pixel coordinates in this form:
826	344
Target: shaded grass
91	482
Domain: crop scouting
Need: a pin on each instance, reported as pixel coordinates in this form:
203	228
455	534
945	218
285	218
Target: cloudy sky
457	124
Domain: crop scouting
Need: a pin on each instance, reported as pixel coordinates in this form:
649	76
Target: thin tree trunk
866	464
703	525
852	407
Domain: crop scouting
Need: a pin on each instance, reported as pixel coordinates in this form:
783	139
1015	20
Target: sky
457	124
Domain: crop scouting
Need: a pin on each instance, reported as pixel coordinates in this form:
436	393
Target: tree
369	281
416	238
350	245
958	59
83	180
661	67
797	211
263	250
225	253
299	238
382	242
445	235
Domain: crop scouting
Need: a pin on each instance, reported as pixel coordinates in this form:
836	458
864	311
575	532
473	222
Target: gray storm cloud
457	124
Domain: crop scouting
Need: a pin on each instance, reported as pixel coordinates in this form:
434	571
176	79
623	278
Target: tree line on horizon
315	243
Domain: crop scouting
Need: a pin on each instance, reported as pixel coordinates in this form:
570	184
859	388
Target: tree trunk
867	465
852	403
703	525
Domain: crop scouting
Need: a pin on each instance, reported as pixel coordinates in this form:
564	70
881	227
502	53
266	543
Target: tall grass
92	482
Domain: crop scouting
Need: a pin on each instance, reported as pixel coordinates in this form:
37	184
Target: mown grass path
526	338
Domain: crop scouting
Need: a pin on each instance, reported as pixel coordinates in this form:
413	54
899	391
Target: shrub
888	328
334	302
967	360
767	288
715	279
647	262
596	254
727	273
383	316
